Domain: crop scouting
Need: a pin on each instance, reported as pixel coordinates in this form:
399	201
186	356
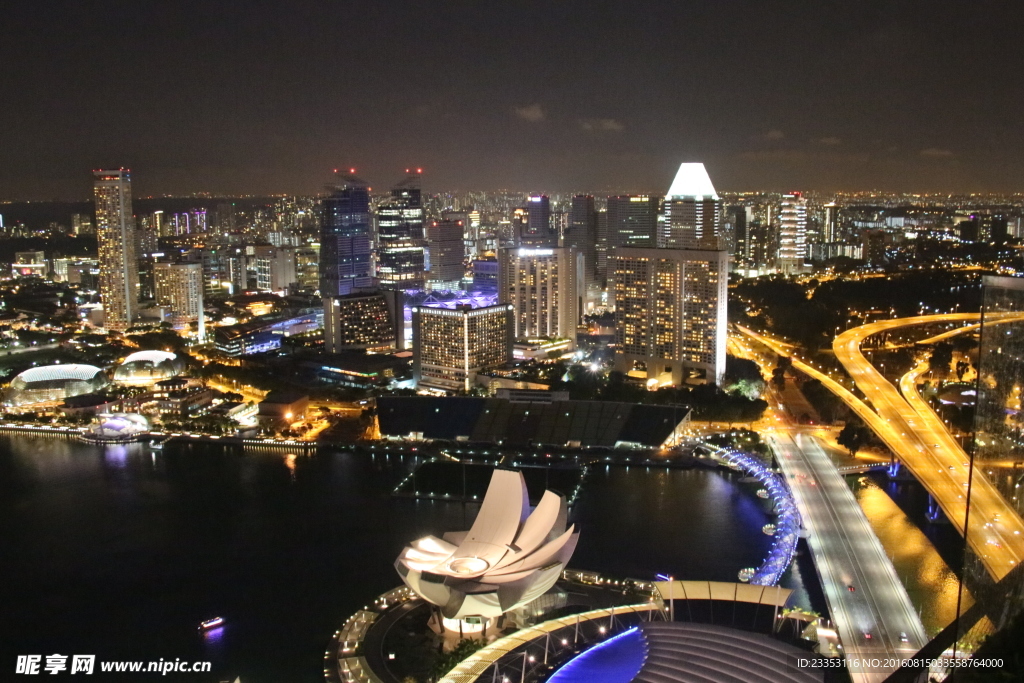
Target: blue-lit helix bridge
787	524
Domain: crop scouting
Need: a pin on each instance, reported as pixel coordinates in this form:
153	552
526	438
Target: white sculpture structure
507	559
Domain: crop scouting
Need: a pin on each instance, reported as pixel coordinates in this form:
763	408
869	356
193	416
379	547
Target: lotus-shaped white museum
507	559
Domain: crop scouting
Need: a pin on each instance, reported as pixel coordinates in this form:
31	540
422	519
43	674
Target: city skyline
810	97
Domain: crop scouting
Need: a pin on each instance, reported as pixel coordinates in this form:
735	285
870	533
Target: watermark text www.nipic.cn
31	665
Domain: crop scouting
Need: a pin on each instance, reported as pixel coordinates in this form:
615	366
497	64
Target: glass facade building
346	262
400	237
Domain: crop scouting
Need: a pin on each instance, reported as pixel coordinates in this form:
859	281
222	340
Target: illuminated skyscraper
179	286
670	313
537	231
346	263
581	235
693	212
445	250
400	238
830	229
543	286
792	234
115	237
369	320
633	220
450	347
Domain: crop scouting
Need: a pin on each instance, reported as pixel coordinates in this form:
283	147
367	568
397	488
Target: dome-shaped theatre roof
50	373
153	357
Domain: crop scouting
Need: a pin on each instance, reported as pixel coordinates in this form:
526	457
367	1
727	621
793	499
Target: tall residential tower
792	234
115	236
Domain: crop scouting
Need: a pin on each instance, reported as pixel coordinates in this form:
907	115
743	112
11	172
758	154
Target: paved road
928	451
933	456
847	553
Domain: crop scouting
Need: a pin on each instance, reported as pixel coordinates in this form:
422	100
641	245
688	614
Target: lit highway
926	449
847	553
845	548
923	445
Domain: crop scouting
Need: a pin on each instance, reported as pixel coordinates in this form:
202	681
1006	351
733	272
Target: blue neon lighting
616	660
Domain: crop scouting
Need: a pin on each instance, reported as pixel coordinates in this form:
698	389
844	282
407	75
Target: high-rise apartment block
602	248
81	224
445	253
792	234
115	237
742	218
179	286
670	313
400	238
633	220
670	301
451	346
543	287
693	212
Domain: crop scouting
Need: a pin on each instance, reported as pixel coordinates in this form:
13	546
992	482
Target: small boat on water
211	623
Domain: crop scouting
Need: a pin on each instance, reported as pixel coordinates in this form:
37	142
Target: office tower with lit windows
451	346
369	320
742	217
274	268
346	262
179	286
581	234
543	287
115	237
400	238
445	253
602	247
307	268
633	220
830	227
81	224
536	231
147	234
670	313
693	212
792	234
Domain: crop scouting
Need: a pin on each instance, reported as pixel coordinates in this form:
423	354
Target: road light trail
845	548
996	533
847	553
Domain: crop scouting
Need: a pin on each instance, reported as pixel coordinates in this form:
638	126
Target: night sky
262	97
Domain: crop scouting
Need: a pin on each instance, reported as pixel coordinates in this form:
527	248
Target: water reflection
931	584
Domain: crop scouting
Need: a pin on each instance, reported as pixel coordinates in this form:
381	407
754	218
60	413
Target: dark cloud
200	96
606	125
534	113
